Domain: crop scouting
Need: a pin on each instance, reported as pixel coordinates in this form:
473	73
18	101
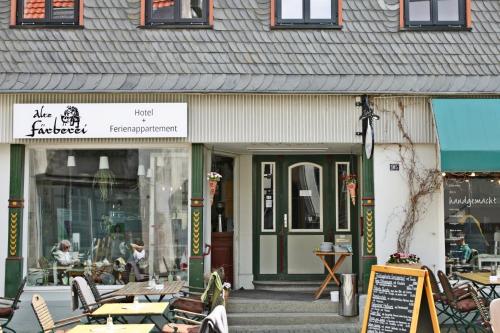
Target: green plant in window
104	180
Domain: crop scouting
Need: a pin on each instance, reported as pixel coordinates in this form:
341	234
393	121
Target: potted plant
213	179
404	259
104	178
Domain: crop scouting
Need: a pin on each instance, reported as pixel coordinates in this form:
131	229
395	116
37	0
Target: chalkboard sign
399	300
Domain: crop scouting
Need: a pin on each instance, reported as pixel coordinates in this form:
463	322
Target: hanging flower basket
351	184
213	179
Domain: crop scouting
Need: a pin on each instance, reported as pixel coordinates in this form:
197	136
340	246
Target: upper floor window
48	12
307	12
177	12
435	13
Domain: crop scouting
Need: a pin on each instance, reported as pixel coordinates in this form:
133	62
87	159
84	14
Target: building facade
260	92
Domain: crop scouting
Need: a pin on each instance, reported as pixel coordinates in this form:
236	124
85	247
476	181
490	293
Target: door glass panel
321	9
291	9
268	195
342	197
305	192
420	10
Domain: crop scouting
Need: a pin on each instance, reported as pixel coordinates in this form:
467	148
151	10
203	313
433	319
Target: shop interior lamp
71	161
103	163
149	174
141	171
473	174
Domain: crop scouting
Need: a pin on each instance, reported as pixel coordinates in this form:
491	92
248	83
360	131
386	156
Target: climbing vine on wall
421	182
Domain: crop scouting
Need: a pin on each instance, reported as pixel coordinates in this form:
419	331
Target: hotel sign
123	120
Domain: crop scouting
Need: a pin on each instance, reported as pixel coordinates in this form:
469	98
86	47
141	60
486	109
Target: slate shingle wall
242	54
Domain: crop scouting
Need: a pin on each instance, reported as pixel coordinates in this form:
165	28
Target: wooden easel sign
399	301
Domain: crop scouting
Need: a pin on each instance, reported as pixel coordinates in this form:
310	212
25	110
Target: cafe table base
481	281
144	310
128	328
331	270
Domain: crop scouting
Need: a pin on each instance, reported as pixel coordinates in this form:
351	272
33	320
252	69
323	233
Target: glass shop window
472	222
119	215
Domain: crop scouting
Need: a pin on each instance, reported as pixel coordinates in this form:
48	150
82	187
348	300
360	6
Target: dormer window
306	13
428	13
48	12
177	12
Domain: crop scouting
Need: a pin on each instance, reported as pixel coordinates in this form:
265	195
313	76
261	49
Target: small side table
331	270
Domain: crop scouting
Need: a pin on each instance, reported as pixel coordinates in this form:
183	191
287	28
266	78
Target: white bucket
334	296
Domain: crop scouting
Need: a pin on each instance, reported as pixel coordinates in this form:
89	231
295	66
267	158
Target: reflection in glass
268	195
291	9
305	195
419	10
186	9
343	200
63	9
448	10
321	9
102	202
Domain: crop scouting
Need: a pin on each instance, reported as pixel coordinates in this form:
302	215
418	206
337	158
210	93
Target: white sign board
125	120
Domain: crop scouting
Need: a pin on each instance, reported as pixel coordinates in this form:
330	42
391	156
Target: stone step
312	328
236	305
293	286
287	319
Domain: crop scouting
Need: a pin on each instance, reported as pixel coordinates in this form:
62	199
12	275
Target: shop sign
124	120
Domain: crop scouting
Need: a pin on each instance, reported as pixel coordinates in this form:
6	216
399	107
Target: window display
472	222
120	215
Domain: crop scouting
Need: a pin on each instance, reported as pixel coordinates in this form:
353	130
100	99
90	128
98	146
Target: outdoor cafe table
481	280
143	289
126	328
147	310
331	270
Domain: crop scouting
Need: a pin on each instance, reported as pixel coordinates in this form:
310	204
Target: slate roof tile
369	50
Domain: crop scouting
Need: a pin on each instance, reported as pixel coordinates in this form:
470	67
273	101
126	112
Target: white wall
391	194
4	210
243	227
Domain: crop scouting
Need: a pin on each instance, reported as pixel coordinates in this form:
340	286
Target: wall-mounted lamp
103	163
71	161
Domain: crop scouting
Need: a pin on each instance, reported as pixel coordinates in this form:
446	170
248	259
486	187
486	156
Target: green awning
469	134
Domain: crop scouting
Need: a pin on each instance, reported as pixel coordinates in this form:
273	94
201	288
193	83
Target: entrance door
300	201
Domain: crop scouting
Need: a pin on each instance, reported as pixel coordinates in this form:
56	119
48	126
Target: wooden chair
8	306
463	310
495	315
45	319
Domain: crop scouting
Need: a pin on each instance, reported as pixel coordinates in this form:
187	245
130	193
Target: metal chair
463	310
89	304
210	323
45	319
8	306
104	297
196	302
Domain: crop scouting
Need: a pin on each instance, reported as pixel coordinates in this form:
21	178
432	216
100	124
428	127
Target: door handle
285	221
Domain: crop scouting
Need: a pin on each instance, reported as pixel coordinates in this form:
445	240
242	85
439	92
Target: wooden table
143	289
147	310
331	270
128	328
481	280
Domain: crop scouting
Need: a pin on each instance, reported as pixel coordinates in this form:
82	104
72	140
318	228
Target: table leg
330	276
150	319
